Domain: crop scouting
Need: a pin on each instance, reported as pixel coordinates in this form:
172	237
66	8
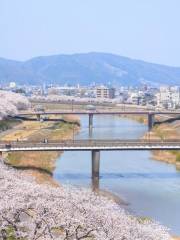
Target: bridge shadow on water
127	175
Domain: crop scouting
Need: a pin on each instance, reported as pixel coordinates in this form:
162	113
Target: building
105	92
12	84
168	97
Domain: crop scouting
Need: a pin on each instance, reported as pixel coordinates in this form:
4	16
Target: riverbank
8	124
138	118
162	131
32	211
104	132
166	131
39	164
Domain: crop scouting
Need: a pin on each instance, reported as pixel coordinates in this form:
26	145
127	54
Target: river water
151	188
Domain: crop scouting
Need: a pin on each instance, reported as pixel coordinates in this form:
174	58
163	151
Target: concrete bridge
95	146
90	145
150	115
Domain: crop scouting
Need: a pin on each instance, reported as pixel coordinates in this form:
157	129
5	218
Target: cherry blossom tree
11	102
32	211
64	98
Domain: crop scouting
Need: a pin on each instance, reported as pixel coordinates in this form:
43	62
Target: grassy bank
167	131
162	131
40	164
138	118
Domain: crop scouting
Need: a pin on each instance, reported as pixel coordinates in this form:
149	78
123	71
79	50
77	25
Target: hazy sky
141	29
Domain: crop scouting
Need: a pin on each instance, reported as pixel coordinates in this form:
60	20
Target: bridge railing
88	142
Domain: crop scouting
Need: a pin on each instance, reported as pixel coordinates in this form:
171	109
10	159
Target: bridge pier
90	121
95	168
150	121
90	133
38	117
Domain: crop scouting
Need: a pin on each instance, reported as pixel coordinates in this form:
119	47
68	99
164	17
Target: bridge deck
88	145
97	112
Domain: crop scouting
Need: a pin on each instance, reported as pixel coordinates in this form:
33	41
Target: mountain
101	68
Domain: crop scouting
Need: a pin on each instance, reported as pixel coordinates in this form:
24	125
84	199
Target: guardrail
98	112
86	144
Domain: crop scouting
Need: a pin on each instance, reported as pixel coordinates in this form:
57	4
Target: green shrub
8	124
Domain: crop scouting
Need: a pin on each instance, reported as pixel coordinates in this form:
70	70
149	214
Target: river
151	188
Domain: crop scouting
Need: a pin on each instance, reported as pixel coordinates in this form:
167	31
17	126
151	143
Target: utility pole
73	132
72	105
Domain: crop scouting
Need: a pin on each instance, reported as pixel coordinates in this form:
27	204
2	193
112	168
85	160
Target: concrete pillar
95	184
38	117
95	169
1	156
95	163
90	132
90	121
150	121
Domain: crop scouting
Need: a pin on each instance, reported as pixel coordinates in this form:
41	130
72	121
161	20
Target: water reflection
90	132
132	175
